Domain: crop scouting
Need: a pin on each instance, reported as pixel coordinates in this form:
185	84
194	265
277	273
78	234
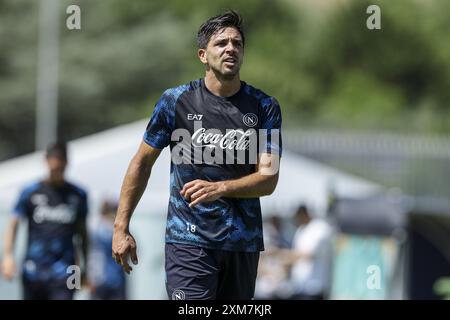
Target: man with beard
214	227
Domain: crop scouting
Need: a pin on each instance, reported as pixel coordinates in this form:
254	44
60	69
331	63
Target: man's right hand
8	267
133	186
123	248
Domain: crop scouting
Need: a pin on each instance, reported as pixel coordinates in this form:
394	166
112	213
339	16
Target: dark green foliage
322	63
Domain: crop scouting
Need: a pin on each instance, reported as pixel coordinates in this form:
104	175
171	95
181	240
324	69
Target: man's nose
230	47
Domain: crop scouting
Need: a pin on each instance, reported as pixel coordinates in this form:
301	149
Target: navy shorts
48	290
107	293
195	273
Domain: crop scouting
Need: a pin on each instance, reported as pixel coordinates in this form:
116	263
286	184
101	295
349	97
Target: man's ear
202	55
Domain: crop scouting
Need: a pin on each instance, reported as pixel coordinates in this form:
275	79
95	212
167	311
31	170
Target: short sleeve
271	125
162	121
84	206
21	207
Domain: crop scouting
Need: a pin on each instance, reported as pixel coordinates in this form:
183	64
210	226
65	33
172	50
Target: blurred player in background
272	272
106	277
309	258
56	212
214	226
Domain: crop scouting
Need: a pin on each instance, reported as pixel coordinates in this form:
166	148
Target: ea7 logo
193	116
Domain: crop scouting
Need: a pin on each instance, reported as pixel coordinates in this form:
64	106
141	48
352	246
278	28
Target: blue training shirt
214	138
52	214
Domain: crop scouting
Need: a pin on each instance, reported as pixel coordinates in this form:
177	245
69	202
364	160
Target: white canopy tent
99	162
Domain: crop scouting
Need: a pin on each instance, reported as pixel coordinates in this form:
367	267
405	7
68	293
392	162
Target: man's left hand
198	191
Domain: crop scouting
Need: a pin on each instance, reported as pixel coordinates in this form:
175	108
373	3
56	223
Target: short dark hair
302	210
57	149
109	206
230	18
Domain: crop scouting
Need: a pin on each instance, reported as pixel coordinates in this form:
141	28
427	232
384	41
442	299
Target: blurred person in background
106	277
272	273
214	224
56	212
274	234
310	257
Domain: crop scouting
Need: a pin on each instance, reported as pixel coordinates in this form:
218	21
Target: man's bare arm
133	187
258	184
289	256
83	243
261	183
8	266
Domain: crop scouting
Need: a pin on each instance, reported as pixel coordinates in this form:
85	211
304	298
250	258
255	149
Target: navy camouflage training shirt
214	138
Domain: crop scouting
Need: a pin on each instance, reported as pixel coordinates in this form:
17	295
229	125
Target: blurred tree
321	62
398	58
442	287
17	76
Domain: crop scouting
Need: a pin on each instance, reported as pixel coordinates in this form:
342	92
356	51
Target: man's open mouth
230	60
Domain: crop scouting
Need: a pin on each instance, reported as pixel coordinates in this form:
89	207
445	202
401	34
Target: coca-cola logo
237	139
239	146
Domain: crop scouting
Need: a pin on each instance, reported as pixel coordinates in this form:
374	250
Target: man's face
301	219
56	165
224	53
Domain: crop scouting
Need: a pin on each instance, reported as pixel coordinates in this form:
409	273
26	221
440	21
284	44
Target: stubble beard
226	75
